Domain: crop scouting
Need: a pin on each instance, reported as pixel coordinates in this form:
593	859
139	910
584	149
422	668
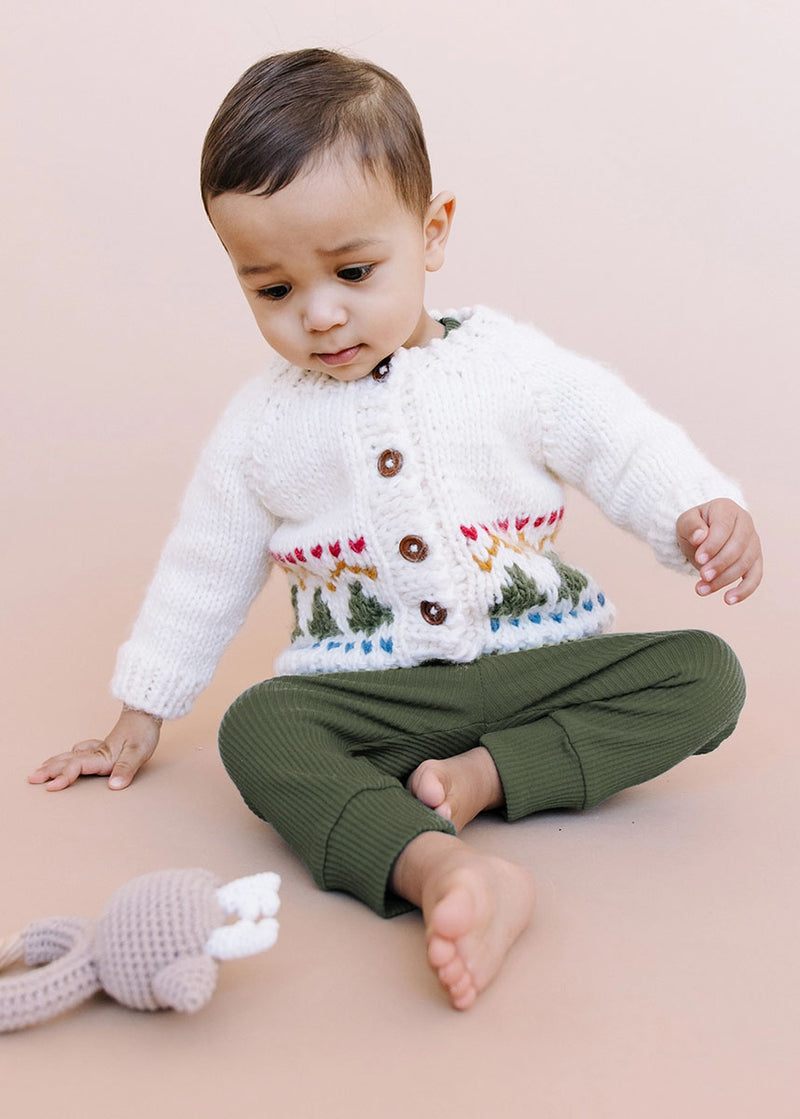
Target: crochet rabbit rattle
155	946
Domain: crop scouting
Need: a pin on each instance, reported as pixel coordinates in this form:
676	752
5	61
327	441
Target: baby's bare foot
474	910
458	788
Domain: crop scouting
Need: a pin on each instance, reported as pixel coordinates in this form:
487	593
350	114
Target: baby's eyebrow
352	246
355	245
256	269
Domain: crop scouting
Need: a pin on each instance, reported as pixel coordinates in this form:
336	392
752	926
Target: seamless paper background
627	179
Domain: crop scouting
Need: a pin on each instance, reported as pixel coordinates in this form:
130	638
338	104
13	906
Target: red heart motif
291	559
551	520
357	545
503	525
538	522
521	522
561	513
470	532
334	549
299	553
316	551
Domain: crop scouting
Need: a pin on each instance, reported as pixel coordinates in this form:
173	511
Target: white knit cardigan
415	513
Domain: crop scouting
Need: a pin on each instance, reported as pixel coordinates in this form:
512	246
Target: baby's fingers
131	758
691	531
748	584
729	567
90	757
729	529
749	570
736	556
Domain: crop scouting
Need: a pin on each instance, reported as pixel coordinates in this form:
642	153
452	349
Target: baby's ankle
485	772
421	861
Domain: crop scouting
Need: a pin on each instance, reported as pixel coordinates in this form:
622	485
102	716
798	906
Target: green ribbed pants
324	758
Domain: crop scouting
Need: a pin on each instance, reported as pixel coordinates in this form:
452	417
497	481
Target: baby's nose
323	311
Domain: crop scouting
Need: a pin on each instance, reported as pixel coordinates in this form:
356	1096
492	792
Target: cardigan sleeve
640	468
215	561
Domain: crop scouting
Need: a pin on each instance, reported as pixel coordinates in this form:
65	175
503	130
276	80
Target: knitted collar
382	368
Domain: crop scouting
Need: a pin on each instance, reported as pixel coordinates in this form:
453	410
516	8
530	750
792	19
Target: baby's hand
719	539
121	754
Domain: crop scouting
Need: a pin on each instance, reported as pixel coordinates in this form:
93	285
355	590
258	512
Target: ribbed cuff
538	768
158	689
362	866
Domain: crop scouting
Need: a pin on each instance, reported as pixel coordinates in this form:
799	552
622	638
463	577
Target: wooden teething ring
12	949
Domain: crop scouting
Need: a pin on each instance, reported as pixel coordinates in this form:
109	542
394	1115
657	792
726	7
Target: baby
405	469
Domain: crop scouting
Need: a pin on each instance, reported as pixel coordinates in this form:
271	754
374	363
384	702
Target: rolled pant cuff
538	768
363	866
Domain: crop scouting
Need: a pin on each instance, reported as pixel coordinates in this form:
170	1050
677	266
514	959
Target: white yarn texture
255	901
488	422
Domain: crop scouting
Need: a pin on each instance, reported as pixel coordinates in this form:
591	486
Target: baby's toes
441	952
427	785
458	983
463	994
452	974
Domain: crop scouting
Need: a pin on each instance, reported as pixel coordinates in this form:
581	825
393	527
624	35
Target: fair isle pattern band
548	608
486	541
296	564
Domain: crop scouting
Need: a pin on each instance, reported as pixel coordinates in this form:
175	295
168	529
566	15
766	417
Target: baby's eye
277	291
356	273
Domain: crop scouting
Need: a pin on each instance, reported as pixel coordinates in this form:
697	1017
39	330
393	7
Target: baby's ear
437	223
186	984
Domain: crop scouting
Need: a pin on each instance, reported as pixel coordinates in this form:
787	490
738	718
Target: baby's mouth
341	357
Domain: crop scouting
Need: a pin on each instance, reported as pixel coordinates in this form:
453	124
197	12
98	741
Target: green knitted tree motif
572	580
297	631
521	594
366	613
322	624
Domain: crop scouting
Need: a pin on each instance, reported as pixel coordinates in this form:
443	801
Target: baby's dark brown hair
288	110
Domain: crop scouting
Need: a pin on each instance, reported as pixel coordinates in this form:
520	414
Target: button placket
411	547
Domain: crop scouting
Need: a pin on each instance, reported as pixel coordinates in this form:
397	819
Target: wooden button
380	371
433	613
390	463
413	548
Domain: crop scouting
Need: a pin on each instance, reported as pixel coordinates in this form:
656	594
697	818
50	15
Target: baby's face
333	267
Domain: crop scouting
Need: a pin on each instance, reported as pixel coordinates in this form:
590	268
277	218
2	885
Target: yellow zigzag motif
370	572
333	574
507	541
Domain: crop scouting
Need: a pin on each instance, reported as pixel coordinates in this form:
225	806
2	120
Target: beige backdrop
627	177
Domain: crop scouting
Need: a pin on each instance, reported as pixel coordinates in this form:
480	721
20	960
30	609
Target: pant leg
606	713
324	760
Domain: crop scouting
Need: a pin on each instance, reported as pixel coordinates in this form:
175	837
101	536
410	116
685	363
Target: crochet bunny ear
185	984
63	946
